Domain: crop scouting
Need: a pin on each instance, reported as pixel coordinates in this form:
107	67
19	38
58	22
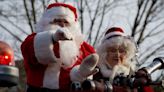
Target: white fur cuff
75	75
43	47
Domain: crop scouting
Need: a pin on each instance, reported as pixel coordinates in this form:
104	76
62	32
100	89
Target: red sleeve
27	48
86	49
148	89
32	67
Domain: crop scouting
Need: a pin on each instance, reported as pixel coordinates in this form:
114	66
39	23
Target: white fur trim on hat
55	13
112	34
59	13
43	47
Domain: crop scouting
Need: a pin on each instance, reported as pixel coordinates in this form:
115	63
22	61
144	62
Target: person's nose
61	24
117	53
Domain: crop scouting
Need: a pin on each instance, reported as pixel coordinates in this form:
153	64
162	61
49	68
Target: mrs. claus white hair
111	39
124	41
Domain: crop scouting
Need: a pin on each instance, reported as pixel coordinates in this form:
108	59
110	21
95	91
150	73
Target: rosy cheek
123	58
113	63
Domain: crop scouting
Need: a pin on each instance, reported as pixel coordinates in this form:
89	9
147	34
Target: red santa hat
114	31
62	10
57	11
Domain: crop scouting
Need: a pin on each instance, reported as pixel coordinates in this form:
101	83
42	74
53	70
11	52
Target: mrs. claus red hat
114	31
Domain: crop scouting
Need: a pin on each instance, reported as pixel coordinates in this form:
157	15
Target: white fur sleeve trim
75	75
43	47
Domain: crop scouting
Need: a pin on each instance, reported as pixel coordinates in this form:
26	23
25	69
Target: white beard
68	49
51	27
117	69
68	53
120	69
74	30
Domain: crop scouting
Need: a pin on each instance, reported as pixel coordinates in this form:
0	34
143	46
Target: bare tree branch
43	4
33	11
140	3
12	23
145	6
56	0
28	16
142	30
81	9
92	23
101	22
151	34
9	31
153	52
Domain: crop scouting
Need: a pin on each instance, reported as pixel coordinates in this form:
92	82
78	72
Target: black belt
37	89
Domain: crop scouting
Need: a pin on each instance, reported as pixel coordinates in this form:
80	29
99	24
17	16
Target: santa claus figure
56	54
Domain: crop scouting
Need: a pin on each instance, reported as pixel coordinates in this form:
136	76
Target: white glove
87	68
62	34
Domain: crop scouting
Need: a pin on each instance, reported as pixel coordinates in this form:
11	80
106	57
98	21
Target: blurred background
141	19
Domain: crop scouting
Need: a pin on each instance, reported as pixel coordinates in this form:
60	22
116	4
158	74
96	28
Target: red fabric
148	89
56	50
85	49
35	71
73	9
119	89
30	62
114	29
124	89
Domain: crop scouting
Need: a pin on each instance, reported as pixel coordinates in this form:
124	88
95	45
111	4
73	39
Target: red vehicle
9	74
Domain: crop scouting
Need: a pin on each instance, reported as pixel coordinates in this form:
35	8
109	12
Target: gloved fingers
87	74
86	68
90	62
62	34
67	34
139	82
96	70
140	73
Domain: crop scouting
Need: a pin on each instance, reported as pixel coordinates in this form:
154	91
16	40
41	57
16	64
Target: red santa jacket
48	75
